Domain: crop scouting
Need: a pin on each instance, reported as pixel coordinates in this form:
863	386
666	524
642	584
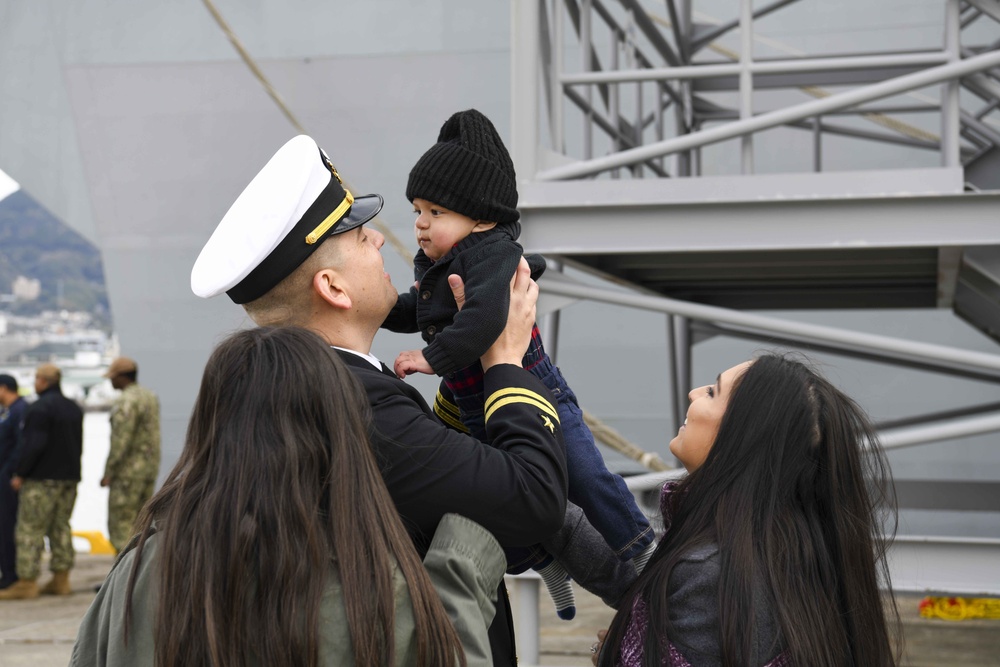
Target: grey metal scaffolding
614	102
655	63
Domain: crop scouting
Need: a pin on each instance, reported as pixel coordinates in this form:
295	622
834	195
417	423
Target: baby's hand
411	361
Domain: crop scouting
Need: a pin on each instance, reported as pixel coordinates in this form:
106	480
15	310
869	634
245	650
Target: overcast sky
7	185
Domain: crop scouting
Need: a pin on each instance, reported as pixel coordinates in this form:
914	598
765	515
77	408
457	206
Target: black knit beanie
468	171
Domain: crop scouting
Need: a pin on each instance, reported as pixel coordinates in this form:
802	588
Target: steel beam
746	83
525	590
983	86
961	566
834	78
616	29
790	66
556	111
826	128
651	32
606	198
617	135
982	128
550	70
721	113
948	495
576	16
917	563
575	221
880	356
632	54
552	320
872	343
950	122
524	107
589	60
679	341
683	45
772	119
964	427
987	109
989	7
722	29
969	15
981	146
817	136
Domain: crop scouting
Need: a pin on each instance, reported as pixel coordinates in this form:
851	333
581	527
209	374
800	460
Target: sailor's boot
22	589
58	585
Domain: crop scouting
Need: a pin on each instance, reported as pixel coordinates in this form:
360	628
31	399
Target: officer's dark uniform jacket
52	439
516	488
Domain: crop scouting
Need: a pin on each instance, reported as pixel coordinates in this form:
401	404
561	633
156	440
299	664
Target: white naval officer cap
297	201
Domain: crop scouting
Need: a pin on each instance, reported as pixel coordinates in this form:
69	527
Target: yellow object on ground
99	544
959	609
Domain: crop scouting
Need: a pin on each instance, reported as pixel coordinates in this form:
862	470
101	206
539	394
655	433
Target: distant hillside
36	244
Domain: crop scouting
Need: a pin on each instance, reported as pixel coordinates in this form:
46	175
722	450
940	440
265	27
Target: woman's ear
326	284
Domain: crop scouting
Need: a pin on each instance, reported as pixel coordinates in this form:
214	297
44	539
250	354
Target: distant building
46	352
26	289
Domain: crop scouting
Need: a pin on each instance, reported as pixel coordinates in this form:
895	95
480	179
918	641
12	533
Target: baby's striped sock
560	587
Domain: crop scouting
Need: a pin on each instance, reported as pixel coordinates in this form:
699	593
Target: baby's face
438	229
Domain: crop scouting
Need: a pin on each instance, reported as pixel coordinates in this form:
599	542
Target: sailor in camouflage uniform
47	472
134	459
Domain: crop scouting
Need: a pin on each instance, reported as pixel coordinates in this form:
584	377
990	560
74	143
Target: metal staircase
632	99
710	170
616	161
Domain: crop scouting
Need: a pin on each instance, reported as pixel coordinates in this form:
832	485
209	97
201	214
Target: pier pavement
40	633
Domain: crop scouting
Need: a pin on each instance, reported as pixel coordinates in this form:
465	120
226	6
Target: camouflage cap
121	365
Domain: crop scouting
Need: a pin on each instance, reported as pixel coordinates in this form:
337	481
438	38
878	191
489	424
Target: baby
464	193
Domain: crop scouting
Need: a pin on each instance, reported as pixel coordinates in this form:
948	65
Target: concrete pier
40	633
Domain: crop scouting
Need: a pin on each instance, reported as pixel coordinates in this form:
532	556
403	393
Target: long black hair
796	493
277	481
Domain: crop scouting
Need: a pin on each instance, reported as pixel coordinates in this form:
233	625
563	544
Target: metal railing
644	100
605	89
661	61
943	359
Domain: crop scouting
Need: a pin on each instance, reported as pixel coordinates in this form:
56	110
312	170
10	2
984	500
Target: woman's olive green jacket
465	564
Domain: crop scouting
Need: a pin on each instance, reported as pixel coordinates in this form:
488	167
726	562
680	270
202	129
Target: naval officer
294	250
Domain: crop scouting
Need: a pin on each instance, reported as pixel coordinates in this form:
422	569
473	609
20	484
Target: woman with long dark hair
774	551
274	540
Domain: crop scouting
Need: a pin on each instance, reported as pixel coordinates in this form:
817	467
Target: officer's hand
457	289
510	347
105	481
15	483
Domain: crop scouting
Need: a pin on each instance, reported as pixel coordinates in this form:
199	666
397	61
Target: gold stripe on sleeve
447	405
448	418
511	396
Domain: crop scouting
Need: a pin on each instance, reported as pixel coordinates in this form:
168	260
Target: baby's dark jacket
485	261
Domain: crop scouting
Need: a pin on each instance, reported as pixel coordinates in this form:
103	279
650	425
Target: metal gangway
650	136
630	115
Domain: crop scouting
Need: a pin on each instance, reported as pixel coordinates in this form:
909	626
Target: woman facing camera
774	551
274	540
